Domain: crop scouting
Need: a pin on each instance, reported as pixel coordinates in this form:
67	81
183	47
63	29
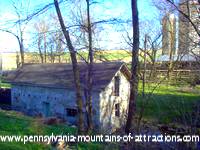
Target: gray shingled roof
61	75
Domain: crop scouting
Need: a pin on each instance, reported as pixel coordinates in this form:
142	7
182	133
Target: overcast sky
105	9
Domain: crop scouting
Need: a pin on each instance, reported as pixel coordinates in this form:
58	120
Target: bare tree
1	63
76	72
134	66
39	41
86	29
56	41
42	29
20	42
90	69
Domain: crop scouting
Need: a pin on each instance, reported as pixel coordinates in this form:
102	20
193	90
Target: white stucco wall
108	101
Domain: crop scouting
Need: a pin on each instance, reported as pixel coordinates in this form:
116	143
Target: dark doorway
5	98
46	109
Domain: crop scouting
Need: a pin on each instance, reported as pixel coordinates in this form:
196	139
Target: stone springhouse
48	90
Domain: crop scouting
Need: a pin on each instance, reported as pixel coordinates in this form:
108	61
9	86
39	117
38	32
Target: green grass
13	123
167	103
4	85
33	57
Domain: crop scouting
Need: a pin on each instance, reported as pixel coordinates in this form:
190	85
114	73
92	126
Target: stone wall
30	99
108	100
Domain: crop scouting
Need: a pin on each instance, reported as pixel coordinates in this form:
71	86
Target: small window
71	112
116	86
117	110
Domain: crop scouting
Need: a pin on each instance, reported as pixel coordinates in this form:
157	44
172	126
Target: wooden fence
178	75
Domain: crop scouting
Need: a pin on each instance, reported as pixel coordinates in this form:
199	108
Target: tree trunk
144	69
45	48
22	52
52	57
21	44
17	60
39	48
140	115
90	69
75	69
1	63
172	49
134	67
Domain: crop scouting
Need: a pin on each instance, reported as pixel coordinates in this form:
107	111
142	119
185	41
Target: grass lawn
168	102
4	85
31	57
13	123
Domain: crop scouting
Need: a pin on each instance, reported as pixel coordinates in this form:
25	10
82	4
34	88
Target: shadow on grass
15	123
166	108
